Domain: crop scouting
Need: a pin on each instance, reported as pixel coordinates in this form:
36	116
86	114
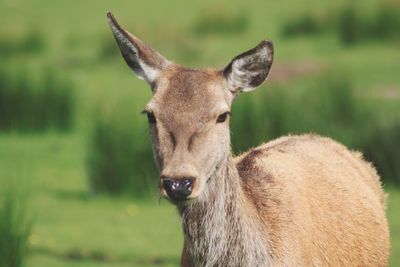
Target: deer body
295	201
302	200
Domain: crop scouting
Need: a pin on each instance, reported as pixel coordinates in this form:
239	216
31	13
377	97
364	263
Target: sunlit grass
15	224
394	224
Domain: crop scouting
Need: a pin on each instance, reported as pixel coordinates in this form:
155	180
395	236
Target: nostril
187	184
167	184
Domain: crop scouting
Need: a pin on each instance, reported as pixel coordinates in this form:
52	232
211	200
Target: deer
299	200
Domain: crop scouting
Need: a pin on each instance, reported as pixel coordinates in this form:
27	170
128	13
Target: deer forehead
188	94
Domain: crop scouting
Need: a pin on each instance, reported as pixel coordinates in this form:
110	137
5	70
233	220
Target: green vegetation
120	159
383	25
216	22
276	112
394	225
382	147
15	227
350	23
317	84
27	105
31	43
307	24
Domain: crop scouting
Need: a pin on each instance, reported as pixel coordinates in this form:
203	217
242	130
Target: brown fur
317	198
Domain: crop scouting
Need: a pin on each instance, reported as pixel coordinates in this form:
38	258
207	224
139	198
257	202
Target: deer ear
250	69
141	58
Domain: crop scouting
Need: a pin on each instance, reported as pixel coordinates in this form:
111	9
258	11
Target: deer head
189	112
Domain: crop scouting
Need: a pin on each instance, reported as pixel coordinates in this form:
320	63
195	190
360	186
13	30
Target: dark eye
221	118
151	118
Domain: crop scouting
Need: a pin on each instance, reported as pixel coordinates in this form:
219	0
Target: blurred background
78	186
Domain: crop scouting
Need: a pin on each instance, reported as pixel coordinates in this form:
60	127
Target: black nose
178	189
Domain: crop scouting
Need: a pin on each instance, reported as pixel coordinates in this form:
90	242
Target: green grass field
72	227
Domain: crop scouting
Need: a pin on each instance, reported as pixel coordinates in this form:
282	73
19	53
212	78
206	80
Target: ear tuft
250	69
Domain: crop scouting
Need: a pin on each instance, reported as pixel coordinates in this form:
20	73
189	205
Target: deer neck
221	228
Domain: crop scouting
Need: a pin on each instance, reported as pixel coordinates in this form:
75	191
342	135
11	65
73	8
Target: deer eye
151	118
221	118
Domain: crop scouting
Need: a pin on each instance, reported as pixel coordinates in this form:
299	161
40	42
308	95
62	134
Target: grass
394	225
15	226
219	21
119	159
75	228
30	105
382	147
32	42
268	114
350	23
121	231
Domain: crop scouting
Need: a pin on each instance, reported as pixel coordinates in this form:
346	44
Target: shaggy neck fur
221	228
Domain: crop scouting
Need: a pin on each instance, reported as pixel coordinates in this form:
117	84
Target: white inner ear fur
148	73
241	77
151	74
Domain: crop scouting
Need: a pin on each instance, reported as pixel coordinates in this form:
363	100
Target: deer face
190	110
189	124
